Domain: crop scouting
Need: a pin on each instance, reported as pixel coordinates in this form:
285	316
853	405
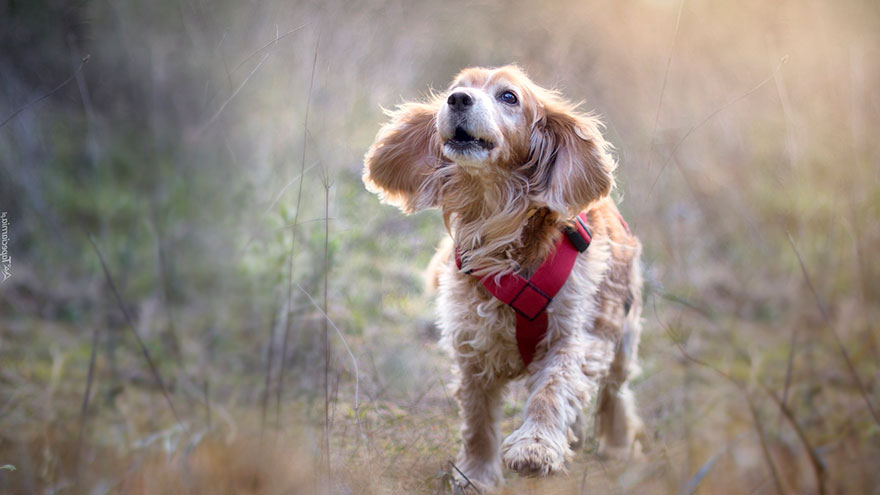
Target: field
203	298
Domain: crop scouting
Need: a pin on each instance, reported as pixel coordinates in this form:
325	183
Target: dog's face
492	123
484	119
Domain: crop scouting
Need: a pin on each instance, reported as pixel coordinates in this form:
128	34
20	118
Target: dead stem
130	321
843	352
85	405
711	116
290	282
82	63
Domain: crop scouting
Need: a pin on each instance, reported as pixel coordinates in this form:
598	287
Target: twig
293	231
357	379
789	367
583	483
752	409
264	406
82	63
469	483
326	270
691	486
278	37
257	233
815	461
290	183
85	405
206	390
663	86
671	333
153	369
711	116
222	107
449	400
163	270
760	485
843	352
702	311
264	402
763	437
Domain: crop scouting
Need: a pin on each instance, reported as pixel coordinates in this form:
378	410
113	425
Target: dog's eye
508	97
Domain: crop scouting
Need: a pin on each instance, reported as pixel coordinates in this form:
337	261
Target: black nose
460	101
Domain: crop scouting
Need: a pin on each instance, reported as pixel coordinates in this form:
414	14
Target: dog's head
492	122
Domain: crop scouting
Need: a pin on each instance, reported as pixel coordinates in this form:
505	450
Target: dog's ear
399	165
570	161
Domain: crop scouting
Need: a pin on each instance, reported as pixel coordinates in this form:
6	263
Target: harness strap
530	297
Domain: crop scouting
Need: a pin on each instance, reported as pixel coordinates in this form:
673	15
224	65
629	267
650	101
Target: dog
522	179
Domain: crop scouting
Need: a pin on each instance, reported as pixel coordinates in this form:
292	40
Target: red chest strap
530	297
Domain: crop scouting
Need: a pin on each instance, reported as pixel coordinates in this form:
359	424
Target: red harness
530	297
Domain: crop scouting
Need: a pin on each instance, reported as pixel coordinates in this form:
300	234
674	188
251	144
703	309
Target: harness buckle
577	239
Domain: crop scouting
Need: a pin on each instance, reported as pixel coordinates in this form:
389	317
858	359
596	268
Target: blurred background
208	154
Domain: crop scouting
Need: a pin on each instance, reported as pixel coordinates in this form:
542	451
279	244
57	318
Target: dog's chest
476	327
481	330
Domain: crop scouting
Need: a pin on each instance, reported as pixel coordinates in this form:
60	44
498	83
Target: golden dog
511	165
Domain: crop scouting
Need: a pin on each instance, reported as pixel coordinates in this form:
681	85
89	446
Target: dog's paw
629	447
577	432
534	455
619	453
631	450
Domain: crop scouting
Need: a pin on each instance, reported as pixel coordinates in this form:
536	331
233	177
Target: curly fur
504	204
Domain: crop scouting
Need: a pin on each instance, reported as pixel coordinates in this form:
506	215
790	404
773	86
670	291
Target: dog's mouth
463	141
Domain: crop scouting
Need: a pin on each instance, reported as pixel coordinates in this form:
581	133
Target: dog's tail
440	259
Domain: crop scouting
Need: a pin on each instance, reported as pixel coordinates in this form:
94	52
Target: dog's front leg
560	386
480	401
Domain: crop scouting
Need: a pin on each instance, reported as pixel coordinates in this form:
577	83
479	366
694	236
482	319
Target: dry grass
750	125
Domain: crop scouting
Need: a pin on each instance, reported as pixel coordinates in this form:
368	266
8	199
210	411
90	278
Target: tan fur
406	151
504	206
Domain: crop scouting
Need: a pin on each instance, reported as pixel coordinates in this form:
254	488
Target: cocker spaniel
541	278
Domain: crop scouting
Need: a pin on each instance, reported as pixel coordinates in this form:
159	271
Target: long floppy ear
399	164
571	161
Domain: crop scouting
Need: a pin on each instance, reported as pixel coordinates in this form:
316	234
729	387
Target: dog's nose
460	101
